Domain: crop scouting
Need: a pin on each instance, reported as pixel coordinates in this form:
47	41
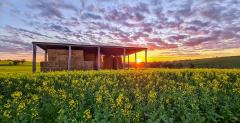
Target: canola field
153	95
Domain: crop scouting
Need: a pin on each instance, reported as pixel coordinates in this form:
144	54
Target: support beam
146	58
98	58
69	57
34	58
45	56
135	59
124	60
128	61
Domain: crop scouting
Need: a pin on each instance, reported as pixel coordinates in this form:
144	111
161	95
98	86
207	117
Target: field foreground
155	95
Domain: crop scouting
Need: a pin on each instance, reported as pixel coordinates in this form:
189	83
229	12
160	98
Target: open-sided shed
96	50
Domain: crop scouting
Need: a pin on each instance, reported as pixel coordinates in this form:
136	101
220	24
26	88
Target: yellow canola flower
138	95
1	97
152	96
34	113
7	105
7	114
72	103
62	93
87	115
98	98
119	100
21	106
35	97
127	109
81	95
16	94
75	82
136	117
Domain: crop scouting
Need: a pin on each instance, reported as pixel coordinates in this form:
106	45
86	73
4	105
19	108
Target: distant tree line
163	65
15	62
187	64
170	65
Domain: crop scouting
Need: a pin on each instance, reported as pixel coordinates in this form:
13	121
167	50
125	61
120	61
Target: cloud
51	9
142	7
13	44
91	16
20	31
177	37
59	28
160	44
147	29
152	46
185	9
47	10
95	8
202	24
138	17
125	13
72	22
191	29
138	35
115	15
199	40
160	14
199	23
212	11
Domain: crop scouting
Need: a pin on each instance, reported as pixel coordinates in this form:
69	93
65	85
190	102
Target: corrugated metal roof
105	49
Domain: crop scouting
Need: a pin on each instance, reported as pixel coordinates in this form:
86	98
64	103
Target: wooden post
69	57
128	61
98	58
135	59
124	54
34	58
146	58
45	56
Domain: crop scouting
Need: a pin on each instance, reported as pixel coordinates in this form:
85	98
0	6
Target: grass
219	62
25	67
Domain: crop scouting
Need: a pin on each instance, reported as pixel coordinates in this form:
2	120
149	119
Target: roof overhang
106	50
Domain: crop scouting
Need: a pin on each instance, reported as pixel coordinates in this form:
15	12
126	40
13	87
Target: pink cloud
160	44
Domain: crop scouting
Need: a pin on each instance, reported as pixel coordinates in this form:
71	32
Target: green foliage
152	95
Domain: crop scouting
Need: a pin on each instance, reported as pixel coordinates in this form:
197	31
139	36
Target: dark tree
22	61
191	65
16	62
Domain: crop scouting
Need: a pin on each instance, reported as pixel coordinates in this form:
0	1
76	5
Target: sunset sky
171	29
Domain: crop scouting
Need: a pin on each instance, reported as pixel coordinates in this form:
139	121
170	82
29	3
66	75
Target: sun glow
139	60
